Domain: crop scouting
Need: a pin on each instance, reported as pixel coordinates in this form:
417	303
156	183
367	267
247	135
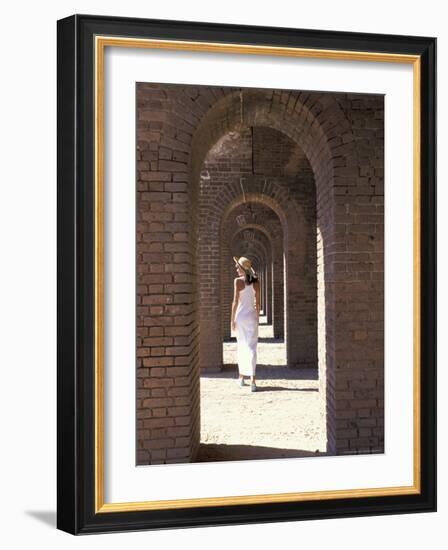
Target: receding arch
273	278
292	220
328	143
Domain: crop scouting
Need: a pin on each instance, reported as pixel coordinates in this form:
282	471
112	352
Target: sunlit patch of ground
284	418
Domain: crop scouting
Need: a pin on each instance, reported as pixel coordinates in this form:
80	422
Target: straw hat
245	264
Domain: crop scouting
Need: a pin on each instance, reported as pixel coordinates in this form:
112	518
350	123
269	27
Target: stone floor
284	418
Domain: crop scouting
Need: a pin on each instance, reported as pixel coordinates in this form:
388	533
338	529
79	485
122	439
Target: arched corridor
294	181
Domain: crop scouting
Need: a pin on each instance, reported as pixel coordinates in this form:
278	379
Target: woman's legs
247	340
253	361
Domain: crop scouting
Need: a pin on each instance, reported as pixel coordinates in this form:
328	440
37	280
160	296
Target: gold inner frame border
100	43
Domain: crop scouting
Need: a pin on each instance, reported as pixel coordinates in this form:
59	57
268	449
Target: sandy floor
282	419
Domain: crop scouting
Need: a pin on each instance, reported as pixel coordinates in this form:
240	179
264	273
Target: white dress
246	322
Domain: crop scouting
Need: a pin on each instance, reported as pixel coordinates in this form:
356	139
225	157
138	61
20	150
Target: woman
245	314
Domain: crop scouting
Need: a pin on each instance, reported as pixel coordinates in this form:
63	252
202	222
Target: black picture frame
76	480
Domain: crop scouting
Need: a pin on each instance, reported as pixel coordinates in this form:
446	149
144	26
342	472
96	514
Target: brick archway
298	287
177	126
265	221
256	245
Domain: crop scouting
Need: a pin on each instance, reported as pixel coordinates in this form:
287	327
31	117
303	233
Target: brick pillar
228	276
300	301
210	350
326	323
264	291
278	294
359	286
269	290
168	417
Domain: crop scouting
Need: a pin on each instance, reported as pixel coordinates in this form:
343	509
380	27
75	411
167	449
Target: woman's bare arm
236	295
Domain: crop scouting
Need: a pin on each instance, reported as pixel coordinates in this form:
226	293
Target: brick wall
359	281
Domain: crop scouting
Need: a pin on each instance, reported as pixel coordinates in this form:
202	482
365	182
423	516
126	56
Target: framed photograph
246	274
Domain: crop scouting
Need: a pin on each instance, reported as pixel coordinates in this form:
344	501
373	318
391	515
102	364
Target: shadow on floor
266	372
281	388
209	452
